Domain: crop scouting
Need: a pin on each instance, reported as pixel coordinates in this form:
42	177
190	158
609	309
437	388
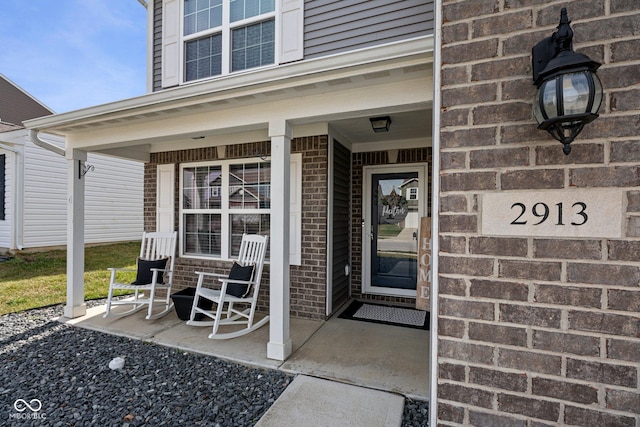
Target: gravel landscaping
66	371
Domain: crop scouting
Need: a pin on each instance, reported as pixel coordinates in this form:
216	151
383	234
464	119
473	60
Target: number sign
569	213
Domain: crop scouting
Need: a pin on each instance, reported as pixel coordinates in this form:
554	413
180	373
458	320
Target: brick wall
536	331
308	281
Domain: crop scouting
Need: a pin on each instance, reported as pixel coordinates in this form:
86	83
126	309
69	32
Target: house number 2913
542	212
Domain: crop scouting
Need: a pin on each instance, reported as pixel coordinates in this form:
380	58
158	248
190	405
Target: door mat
377	313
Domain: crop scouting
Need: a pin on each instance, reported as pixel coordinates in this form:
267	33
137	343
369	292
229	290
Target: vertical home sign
424	265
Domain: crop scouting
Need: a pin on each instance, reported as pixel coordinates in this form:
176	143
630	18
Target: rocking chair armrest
204	273
239	282
129	270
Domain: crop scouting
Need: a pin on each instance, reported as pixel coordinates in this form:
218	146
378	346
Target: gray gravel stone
66	369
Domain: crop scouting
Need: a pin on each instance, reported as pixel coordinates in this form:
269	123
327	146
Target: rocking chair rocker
240	287
155	271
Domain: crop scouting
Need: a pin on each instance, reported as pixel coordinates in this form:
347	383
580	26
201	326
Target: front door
394	202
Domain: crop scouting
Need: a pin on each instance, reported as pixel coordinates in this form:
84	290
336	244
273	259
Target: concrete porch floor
382	357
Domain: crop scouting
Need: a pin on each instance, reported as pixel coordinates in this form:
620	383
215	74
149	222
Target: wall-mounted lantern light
569	91
380	124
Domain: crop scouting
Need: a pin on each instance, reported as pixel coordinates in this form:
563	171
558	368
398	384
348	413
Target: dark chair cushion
238	272
145	275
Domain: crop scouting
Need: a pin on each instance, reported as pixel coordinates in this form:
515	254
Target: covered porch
371	355
254	117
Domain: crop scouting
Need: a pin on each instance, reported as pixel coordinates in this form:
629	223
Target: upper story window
412	193
223	36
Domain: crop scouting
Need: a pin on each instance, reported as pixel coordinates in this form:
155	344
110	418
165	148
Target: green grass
32	280
388	230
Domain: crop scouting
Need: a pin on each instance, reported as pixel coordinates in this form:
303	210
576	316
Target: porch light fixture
380	124
569	91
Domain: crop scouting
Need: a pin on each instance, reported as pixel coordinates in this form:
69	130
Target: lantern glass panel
575	93
597	98
536	108
549	99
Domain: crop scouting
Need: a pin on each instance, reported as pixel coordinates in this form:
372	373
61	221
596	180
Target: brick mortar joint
472	84
600	387
572	308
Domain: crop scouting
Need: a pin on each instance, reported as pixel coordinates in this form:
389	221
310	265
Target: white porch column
279	346
75	234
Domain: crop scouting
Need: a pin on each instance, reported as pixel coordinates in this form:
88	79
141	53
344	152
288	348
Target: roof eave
293	72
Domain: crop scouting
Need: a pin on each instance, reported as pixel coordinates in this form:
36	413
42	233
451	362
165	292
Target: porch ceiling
405	125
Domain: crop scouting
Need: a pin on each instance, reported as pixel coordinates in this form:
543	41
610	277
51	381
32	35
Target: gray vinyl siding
157	45
333	26
337	26
341	193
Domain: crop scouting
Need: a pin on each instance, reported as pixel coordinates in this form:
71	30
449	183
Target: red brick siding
308	281
536	331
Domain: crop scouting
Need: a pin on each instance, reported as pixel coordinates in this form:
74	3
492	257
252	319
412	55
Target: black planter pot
183	301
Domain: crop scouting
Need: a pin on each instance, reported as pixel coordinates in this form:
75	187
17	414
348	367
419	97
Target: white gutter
435	211
287	75
33	137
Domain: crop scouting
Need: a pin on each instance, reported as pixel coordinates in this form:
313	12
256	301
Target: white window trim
295	257
225	29
412	193
289	40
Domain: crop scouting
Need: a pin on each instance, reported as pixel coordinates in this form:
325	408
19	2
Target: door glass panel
395	218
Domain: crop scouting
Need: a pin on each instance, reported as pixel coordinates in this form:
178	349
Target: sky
72	54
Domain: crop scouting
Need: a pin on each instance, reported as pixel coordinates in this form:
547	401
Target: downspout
35	138
435	222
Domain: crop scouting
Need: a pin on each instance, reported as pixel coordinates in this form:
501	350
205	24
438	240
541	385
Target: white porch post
75	234
279	346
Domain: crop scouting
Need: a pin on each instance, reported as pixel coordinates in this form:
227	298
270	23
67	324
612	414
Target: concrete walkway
348	372
309	401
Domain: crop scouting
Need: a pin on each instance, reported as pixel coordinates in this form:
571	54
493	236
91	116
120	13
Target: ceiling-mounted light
380	124
569	91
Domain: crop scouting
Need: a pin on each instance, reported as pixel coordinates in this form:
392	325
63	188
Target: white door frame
368	172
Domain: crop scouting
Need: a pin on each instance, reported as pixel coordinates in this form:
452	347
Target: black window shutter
2	185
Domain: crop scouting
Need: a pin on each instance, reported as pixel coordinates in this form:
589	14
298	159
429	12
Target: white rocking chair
240	287
155	271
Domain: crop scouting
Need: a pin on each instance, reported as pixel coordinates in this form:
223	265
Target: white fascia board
303	72
13	138
250	117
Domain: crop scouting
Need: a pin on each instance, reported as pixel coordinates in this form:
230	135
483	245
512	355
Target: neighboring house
33	185
259	120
